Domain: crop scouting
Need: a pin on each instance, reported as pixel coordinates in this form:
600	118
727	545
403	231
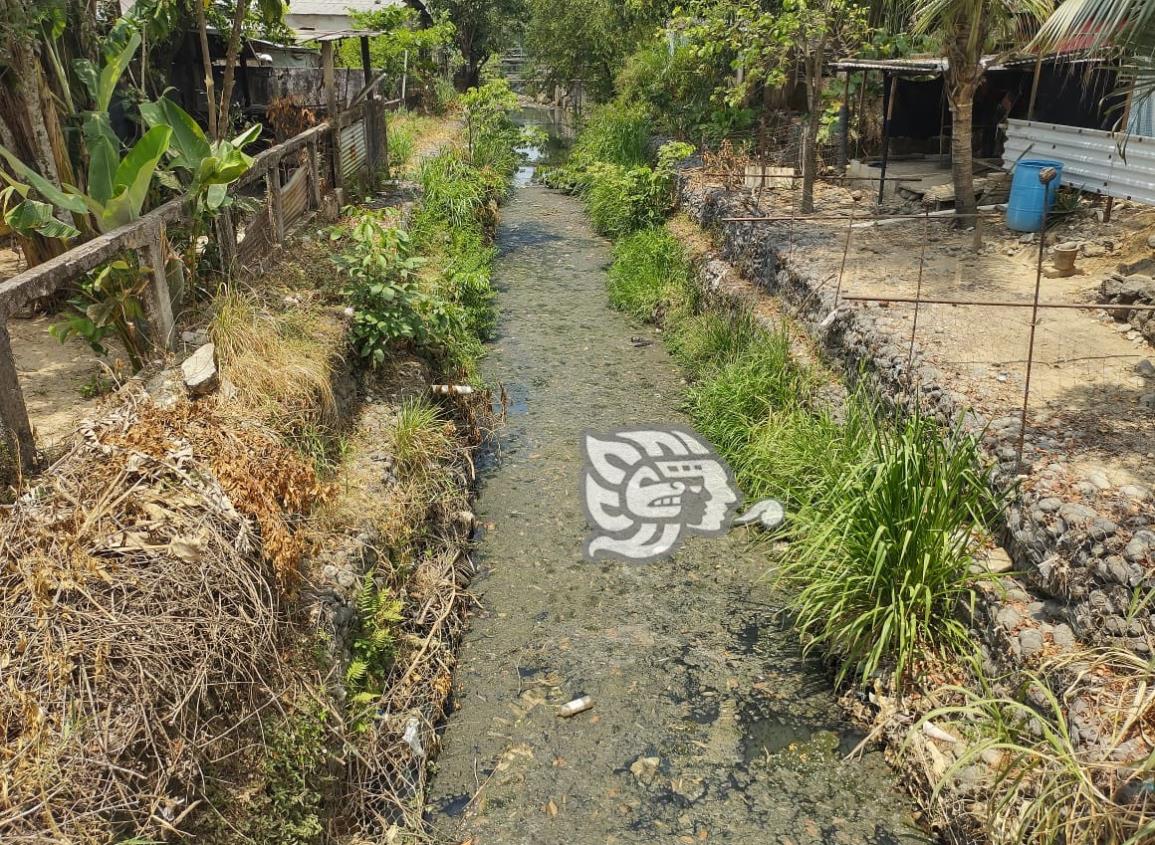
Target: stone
998	561
1117	570
1008	617
1133	491
1151	241
645	769
1092	250
1099	479
196	337
1147	400
1030	642
1101	529
199	371
1145	368
1063	636
1050	504
1075	514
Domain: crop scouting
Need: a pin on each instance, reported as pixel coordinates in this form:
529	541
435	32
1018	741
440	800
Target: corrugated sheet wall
1091	158
353	149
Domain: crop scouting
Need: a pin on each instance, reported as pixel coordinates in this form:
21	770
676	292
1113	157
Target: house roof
343	7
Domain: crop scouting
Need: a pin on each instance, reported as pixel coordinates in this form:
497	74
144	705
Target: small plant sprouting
379	612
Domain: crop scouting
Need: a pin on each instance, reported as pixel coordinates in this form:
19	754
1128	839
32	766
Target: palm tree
967	29
1124	27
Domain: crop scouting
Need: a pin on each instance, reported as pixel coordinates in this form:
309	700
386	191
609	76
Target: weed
455	191
706	339
882	564
279	364
109	303
616	133
743	389
650	275
1042	784
379	613
295	777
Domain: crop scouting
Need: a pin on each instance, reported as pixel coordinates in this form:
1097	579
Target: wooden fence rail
315	157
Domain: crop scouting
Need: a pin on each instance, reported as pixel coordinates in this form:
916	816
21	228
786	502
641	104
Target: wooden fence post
160	296
334	115
314	174
273	187
13	411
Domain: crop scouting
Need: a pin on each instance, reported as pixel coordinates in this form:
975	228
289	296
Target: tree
1125	27
588	40
767	43
484	28
968	29
406	47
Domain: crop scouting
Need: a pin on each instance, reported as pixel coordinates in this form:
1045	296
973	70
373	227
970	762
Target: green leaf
68	201
33	216
247	137
133	177
113	69
104	157
189	145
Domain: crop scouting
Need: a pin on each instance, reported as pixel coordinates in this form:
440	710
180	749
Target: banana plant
207	167
117	190
117	187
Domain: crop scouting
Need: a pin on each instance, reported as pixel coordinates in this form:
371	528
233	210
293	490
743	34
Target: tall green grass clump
453	190
797	452
742	390
617	133
703	340
881	568
651	275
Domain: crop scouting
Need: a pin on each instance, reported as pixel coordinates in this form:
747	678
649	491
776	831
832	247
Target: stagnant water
685	660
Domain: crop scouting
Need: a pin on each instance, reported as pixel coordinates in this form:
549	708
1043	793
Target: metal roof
935	65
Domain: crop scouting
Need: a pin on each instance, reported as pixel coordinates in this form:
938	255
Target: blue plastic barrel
1030	199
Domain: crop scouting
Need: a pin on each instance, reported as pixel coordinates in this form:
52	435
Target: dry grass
281	365
1068	756
141	613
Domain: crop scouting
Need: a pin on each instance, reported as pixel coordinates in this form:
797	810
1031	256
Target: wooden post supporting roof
889	89
333	115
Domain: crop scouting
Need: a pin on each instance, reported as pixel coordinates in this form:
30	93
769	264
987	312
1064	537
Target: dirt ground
1084	410
55	376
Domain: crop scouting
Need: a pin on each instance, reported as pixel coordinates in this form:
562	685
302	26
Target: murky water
685	660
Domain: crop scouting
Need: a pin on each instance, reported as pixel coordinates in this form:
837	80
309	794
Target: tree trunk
207	62
230	67
813	122
962	97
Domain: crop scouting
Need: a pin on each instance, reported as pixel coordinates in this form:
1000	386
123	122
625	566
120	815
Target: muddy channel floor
706	724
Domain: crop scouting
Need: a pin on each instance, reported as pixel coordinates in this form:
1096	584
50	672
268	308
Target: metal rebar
1079	306
845	252
840	217
1046	176
918	289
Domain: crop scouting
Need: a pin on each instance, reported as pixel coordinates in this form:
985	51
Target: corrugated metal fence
1110	163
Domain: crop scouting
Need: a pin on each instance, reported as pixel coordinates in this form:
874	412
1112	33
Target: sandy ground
1084	406
52	375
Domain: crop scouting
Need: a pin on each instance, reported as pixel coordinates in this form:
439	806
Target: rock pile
1133	289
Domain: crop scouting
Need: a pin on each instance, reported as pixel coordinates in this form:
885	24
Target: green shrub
882	566
618	133
382	289
453	190
742	390
650	275
622	200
